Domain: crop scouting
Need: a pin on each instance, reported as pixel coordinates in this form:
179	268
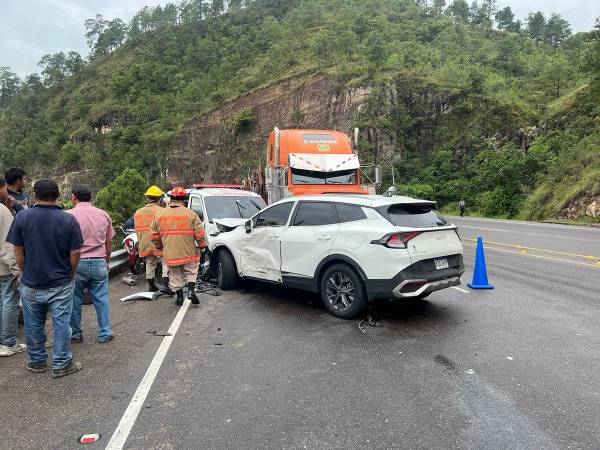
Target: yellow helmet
154	191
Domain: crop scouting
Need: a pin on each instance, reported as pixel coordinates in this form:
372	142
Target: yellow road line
525	249
597	265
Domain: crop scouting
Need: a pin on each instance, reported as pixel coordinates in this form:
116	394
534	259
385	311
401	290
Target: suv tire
343	292
227	276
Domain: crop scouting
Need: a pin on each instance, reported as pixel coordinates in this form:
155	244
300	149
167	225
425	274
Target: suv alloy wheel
343	292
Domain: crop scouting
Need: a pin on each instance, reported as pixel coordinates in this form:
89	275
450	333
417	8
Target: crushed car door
261	255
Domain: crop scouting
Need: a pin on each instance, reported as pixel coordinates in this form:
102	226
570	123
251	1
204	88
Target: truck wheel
343	292
227	276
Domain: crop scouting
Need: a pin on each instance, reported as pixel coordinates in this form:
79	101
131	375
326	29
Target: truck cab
307	162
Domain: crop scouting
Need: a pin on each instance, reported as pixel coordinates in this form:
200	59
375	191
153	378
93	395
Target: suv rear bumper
417	279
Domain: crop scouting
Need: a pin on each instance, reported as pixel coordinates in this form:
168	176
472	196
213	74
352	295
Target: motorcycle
137	264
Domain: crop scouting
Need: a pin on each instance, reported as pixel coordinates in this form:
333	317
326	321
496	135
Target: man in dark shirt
15	181
47	247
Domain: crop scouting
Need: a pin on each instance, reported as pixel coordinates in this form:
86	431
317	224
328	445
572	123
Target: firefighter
178	232
142	219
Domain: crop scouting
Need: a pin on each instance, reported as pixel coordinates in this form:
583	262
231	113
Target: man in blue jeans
92	271
47	248
9	278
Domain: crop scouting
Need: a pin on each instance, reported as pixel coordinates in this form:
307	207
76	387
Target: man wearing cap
142	219
92	270
178	232
47	248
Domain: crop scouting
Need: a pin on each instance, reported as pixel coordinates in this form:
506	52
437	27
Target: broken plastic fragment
510	358
159	333
470	372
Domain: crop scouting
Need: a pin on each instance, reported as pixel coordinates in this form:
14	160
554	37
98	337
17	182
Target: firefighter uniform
176	230
143	218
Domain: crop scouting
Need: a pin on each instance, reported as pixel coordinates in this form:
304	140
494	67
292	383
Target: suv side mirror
248	226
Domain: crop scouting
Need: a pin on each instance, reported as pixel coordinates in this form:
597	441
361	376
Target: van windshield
233	207
412	215
300	176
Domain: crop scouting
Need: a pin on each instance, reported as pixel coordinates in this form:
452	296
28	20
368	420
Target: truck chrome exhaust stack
356	133
276	148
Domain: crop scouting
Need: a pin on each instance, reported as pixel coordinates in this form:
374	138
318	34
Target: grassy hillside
477	104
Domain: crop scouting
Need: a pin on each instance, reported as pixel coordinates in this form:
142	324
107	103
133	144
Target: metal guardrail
117	259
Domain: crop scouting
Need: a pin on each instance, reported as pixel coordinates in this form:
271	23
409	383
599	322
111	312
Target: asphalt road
263	367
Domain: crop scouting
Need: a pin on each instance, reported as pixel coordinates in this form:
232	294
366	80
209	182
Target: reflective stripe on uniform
151	253
179	261
165	232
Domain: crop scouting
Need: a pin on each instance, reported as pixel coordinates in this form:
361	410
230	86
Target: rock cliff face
228	144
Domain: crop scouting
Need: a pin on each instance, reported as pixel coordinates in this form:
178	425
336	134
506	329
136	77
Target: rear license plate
441	263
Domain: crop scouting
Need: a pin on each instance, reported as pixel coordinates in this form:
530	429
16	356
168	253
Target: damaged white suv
350	249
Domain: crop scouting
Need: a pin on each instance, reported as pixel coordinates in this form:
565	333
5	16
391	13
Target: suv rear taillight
397	240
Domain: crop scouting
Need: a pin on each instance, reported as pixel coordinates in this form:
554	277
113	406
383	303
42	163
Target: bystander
47	248
9	278
16	184
92	271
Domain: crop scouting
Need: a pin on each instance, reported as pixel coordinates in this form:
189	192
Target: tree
514	27
216	8
536	26
557	31
9	86
459	9
557	73
123	196
592	53
104	36
95	27
438	7
483	15
54	68
74	63
504	18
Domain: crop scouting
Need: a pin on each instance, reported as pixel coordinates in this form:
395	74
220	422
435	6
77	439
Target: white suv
350	249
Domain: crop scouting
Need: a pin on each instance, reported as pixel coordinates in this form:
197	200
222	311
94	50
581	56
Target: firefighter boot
179	298
192	295
152	286
165	289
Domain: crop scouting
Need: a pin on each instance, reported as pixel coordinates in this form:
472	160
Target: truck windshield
300	176
233	207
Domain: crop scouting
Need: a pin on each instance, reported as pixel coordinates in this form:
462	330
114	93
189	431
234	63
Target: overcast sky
30	29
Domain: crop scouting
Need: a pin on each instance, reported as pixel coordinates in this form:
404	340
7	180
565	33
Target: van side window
196	206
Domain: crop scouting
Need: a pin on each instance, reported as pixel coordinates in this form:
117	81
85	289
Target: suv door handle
324	237
273	235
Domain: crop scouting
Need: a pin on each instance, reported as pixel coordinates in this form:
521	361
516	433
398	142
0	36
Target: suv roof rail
211	185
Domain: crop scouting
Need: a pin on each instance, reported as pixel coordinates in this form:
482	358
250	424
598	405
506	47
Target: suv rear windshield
233	207
412	216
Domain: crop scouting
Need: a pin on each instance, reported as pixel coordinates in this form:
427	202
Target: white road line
482	228
464	291
119	437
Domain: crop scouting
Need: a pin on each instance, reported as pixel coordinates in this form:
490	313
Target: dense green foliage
123	107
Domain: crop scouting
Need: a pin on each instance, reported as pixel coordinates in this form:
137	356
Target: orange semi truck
304	162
